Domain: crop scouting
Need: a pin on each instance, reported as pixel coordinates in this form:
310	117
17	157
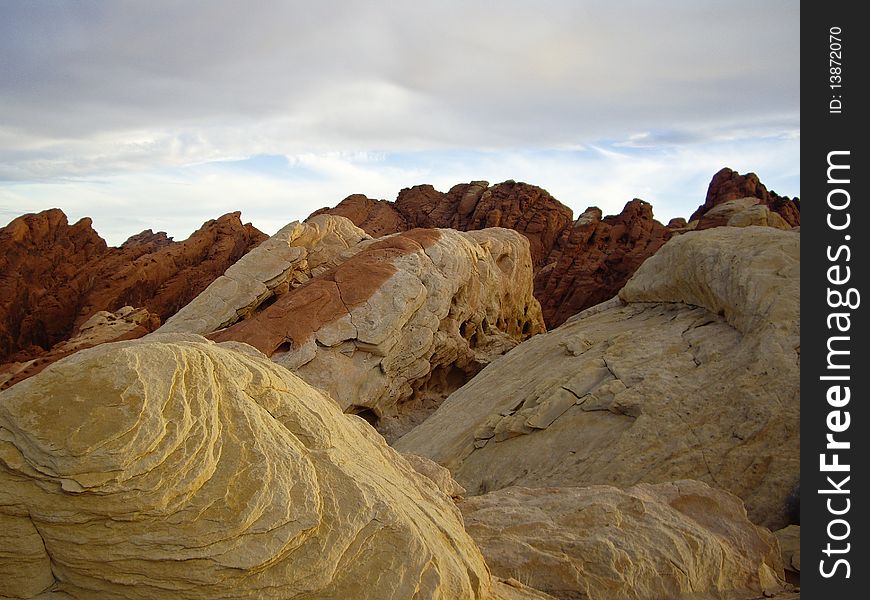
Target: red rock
54	276
577	264
375	217
594	258
728	184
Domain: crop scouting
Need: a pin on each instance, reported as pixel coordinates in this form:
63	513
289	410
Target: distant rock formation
692	372
396	323
127	323
55	276
577	264
176	468
671	540
728	184
594	257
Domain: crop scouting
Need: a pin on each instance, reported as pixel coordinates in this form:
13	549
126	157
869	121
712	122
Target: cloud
156	101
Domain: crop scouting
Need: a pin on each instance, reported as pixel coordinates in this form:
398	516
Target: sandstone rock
729	185
375	217
790	545
55	276
594	258
673	540
284	261
693	372
172	467
439	475
576	264
511	589
758	215
149	238
407	317
124	324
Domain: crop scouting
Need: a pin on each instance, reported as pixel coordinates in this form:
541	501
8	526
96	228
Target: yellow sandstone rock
173	467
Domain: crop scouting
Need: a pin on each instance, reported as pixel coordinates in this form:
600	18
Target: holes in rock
286	346
268	302
366	413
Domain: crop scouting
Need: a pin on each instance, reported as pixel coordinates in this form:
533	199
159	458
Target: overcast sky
163	114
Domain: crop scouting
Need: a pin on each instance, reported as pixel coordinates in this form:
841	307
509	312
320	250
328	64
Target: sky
164	114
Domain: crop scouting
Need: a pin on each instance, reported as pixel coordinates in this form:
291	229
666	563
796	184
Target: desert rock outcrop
172	467
283	262
728	185
577	263
408	316
55	276
692	372
672	540
126	323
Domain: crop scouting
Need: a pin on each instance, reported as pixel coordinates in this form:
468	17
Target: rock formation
671	540
124	324
730	185
577	263
404	319
172	467
790	545
594	257
692	372
281	263
55	276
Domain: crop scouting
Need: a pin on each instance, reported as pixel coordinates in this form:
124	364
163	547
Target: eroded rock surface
283	262
55	276
172	467
577	263
126	323
728	185
405	318
692	372
672	540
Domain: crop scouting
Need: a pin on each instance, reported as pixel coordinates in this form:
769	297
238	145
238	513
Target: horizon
165	116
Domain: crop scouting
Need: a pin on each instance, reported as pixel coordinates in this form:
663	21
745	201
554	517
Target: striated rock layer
672	540
55	276
577	263
176	468
692	372
283	262
407	317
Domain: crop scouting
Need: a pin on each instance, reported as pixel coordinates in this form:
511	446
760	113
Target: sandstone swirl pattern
693	372
172	467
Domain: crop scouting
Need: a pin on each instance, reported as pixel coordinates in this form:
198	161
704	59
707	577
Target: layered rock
125	324
728	185
281	263
176	468
577	263
55	276
692	372
405	319
672	540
